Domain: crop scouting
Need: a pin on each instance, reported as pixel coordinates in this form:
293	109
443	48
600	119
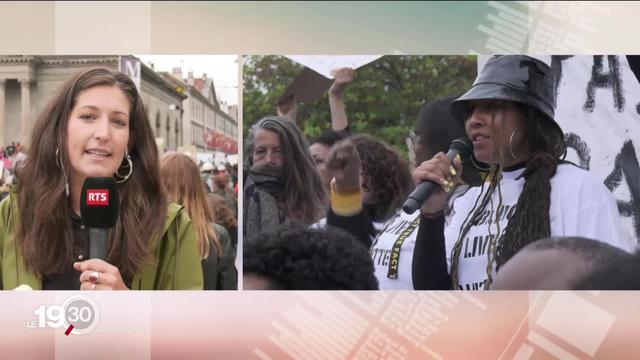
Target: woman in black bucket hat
529	191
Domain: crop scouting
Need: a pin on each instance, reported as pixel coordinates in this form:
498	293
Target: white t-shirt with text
400	225
580	205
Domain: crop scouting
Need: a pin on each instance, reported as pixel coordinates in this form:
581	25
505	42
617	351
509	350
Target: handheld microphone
421	193
99	205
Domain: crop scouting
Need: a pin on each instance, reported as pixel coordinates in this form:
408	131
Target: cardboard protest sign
306	87
323	64
315	79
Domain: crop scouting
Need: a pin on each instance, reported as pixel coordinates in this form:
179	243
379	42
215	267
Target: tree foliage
383	100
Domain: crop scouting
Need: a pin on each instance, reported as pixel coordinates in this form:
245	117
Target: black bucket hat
517	78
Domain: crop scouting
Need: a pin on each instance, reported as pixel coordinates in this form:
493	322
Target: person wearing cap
207	170
207	167
529	192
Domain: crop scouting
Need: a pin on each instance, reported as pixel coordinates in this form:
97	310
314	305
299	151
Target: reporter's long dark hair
44	229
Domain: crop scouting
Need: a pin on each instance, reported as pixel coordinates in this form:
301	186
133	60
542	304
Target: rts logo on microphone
98	197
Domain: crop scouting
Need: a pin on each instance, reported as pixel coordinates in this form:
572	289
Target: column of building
2	104
25	108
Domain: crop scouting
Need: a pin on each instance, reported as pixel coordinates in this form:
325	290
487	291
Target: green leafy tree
383	100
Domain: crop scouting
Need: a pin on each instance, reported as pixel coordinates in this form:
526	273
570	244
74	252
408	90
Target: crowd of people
11	156
323	213
171	232
515	214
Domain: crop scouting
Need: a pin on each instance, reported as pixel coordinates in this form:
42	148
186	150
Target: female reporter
181	179
95	126
529	193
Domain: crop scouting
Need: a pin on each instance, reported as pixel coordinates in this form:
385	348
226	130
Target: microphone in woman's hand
99	206
421	193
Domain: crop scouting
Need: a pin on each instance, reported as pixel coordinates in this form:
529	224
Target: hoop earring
60	163
510	140
129	166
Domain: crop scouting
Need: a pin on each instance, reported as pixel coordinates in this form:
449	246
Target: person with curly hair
529	191
385	177
299	258
381	177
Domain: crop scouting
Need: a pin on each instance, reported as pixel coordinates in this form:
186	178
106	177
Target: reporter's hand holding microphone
98	274
99	208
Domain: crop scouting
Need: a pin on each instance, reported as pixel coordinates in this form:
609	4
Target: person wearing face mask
528	192
282	184
95	126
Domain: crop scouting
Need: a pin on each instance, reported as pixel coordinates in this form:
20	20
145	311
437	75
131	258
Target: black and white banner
598	107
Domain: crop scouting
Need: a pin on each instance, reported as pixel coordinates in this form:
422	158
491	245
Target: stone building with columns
27	83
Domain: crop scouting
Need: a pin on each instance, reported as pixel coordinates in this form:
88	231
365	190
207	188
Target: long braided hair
530	220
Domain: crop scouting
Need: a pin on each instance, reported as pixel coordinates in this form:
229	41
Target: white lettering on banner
598	108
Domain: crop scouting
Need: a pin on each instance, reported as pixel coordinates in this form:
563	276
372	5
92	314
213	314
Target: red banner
218	141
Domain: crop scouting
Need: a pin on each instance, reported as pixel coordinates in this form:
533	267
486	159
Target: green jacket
176	262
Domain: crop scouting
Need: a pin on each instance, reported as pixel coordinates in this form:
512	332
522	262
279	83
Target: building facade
165	107
27	83
203	113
